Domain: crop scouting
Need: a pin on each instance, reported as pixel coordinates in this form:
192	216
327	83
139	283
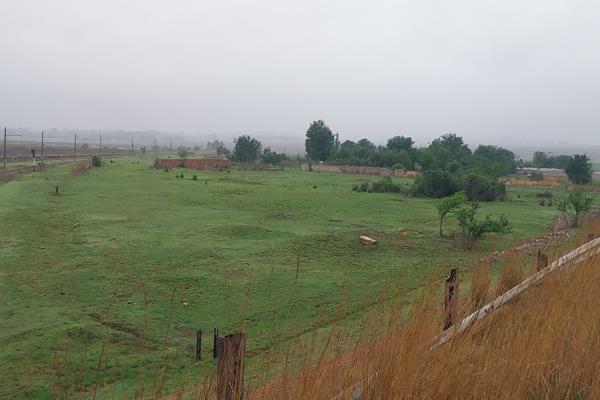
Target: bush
474	229
483	188
166	169
363	187
545	194
435	183
96	161
385	185
195	177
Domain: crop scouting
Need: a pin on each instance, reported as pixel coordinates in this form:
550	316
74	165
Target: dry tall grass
543	345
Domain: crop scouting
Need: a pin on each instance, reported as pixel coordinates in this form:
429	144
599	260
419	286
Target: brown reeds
543	344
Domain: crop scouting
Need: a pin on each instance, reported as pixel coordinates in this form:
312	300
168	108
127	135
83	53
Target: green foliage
398	153
194	177
494	161
447	153
270	157
482	188
435	183
576	204
246	149
96	161
182	152
319	142
579	169
474	229
544	160
447	205
223	151
384	185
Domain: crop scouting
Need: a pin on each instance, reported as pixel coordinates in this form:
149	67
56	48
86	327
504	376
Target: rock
402	231
367	240
76	225
185	302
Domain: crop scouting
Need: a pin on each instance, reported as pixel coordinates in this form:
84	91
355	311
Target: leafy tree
246	149
474	229
96	161
544	160
223	151
447	153
447	205
268	156
494	160
482	188
182	152
576	204
400	143
143	149
319	142
579	169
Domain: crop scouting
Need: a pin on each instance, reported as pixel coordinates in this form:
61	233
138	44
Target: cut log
367	240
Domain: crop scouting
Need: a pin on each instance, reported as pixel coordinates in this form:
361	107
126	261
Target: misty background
519	74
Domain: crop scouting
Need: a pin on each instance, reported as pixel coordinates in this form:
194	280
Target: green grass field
108	265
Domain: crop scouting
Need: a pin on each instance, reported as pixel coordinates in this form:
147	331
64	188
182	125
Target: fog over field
493	72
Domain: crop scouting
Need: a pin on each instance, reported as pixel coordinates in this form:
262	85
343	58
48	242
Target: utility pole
132	151
75	148
171	146
4	156
100	144
45	137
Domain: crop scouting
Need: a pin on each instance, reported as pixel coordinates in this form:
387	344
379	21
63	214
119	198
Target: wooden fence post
230	382
592	236
217	343
198	345
542	261
451	297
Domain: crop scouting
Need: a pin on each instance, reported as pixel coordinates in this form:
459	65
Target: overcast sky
482	69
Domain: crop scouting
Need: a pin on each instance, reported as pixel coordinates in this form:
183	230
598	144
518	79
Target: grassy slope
228	243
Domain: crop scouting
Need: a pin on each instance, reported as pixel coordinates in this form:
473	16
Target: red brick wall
194	163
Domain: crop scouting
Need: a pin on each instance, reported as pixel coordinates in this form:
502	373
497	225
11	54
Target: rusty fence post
230	381
451	297
198	345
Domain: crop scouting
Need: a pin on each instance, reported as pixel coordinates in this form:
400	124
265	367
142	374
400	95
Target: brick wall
194	163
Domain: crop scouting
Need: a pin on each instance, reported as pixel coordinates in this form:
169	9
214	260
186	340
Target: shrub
545	194
96	161
181	175
166	169
363	187
543	202
435	183
195	177
576	204
579	169
474	229
385	185
483	188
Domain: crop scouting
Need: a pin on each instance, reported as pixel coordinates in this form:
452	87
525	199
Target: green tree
576	204
269	156
474	229
246	149
447	205
319	142
579	169
400	143
446	153
494	160
182	152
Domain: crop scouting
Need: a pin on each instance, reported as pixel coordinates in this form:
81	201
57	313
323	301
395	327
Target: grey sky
482	69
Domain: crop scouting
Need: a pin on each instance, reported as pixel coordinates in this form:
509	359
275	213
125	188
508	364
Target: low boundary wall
192	163
349	169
